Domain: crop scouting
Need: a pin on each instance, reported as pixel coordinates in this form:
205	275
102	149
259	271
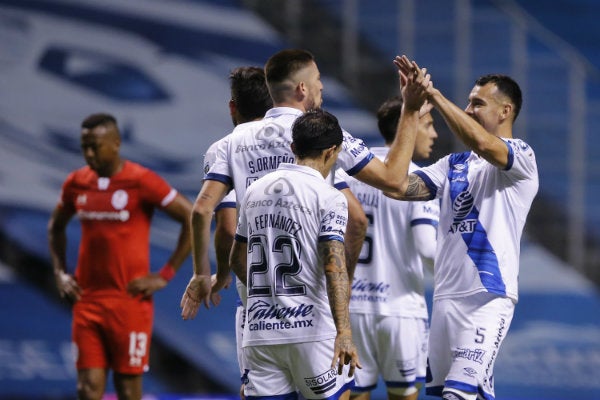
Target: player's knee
455	394
401	392
360	395
89	390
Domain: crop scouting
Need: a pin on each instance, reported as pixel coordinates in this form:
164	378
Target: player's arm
470	132
332	257
355	232
391	176
199	287
57	242
179	210
425	239
225	225
238	259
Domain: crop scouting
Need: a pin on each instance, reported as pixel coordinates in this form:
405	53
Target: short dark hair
315	131
94	120
507	86
249	92
388	116
283	64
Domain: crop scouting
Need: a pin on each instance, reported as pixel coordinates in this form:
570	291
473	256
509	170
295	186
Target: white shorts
240	320
395	347
283	369
466	334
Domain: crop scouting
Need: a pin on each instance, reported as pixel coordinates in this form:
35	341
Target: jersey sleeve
434	176
425	212
221	169
334	219
340	179
66	198
355	154
155	190
521	159
229	201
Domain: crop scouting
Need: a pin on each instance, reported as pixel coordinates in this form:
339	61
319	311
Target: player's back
283	218
254	149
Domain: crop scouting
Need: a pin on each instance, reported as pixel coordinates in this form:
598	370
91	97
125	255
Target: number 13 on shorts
138	347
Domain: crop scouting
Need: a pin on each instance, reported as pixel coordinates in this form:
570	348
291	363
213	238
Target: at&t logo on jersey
463	204
462	207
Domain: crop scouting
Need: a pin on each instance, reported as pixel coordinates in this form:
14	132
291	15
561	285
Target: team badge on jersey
119	199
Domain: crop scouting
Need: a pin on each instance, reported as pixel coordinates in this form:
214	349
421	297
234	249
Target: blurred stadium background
161	67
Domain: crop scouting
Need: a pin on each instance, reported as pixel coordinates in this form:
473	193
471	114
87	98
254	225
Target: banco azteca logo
281	187
270	131
463	204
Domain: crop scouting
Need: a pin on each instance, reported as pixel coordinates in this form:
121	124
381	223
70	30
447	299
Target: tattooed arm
414	189
331	255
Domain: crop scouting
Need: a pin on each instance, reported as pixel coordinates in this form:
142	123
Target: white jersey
229	201
483	212
256	148
285	214
388	279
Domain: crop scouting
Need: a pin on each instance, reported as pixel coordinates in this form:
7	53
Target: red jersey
115	215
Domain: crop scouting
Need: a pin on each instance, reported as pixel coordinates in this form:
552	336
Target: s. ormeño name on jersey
482	216
282	218
256	148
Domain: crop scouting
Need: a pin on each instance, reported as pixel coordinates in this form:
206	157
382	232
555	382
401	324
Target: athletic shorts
393	347
466	335
284	369
240	320
113	334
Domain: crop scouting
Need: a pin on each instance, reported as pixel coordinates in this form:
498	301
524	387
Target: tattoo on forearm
416	189
338	287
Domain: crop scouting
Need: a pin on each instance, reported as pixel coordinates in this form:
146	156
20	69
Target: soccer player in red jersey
112	286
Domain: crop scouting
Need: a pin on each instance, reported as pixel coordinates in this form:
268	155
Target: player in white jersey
289	252
387	305
249	101
486	195
256	148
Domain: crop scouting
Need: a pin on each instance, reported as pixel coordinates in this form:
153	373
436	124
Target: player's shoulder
133	169
135	172
81	176
518	145
244	128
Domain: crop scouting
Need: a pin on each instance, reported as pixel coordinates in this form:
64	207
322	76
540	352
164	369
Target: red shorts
113	333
